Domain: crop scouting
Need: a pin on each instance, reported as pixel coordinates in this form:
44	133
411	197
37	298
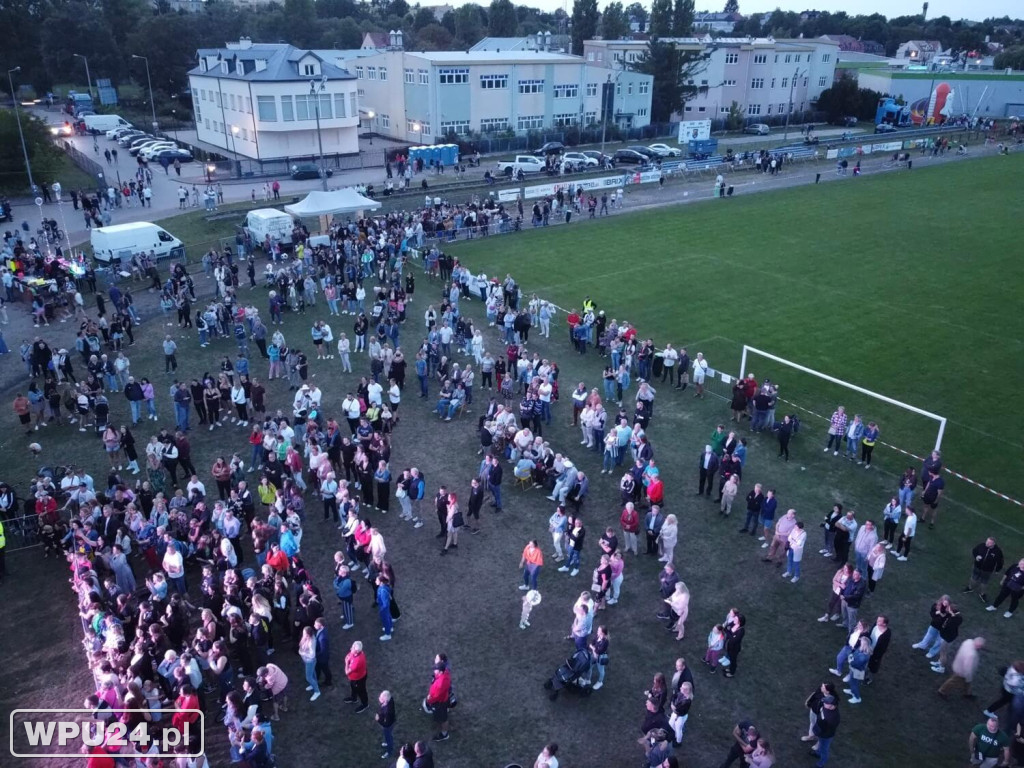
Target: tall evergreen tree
682	18
661	18
674	71
585	18
502	20
614	22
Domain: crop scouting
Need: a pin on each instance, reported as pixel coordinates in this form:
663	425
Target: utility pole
315	89
152	104
21	134
88	77
789	109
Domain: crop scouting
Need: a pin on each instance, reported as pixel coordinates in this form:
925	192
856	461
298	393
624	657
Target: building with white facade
764	76
422	96
254	101
919	51
541	41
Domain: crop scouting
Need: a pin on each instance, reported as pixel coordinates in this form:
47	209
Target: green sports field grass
908	285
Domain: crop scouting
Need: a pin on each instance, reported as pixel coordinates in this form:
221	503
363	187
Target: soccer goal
749	351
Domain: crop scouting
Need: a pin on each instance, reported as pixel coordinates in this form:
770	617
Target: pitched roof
282	63
377	39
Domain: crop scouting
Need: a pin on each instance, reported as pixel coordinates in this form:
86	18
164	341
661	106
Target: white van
122	241
269	221
104	123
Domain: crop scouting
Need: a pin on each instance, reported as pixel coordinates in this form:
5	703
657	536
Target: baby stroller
573	673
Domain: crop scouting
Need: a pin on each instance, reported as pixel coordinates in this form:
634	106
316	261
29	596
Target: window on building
248	104
702	109
805	82
531	86
325	106
589	118
618	89
782	108
769	109
304	107
426	129
424	76
729	83
493	124
199	115
760	58
642	111
267	109
412	126
773	82
232	100
453	75
732	58
383	72
206	123
785	82
567	91
219	103
629	89
753	109
756	83
359	72
287	109
245	134
566	119
645	87
529	123
591	89
632	56
353	104
590	55
788	58
703	83
493	82
385	121
688	109
308	69
796	58
410	77
371	73
823	81
826	58
458	127
339	105
723	110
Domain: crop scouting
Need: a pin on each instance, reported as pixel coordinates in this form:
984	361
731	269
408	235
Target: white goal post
832	379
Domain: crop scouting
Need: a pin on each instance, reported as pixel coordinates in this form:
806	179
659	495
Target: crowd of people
189	587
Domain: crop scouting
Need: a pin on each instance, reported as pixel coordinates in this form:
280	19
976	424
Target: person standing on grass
323	652
989	746
355	671
826	724
629	520
836	431
908	482
930	495
965	667
1012	586
988	559
795	552
384	606
385	717
865	541
867	444
907	537
438	698
707	465
891	521
780	539
735	630
745	735
307	652
700	369
547	759
755	501
852	596
531	563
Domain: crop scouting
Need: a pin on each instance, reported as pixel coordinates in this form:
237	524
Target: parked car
119	131
650	154
550	148
885	128
151	150
136	149
309	171
630	157
664	150
577	161
129	136
181	155
759	128
596	156
524	163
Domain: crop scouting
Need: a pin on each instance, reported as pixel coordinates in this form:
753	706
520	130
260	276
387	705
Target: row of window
372	73
305	107
414	126
752	109
421	76
225	101
758	82
788	58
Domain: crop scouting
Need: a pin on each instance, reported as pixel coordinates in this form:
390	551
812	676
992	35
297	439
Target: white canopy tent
339	201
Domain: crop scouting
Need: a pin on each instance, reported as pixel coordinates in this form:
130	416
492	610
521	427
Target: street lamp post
149	82
234	150
418	128
21	134
174	124
604	111
316	87
88	77
789	106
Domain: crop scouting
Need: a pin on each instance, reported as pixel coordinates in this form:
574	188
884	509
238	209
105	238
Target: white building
254	101
764	76
422	96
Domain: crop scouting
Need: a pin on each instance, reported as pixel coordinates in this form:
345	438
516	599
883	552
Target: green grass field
905	284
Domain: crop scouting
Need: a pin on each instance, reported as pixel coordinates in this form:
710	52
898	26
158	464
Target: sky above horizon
955	9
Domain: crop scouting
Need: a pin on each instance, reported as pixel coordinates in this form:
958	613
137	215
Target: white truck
119	242
524	163
269	221
104	123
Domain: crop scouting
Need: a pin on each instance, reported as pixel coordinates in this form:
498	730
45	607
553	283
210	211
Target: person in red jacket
630	522
46	508
355	671
655	491
185	721
436	702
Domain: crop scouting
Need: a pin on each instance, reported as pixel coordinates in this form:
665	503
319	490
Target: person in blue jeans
825	727
384	606
858	666
385	718
599	657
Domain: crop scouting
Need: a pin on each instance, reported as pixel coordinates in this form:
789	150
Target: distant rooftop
263	62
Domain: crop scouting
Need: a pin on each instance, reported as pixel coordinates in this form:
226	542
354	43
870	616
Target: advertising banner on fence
508	195
643	177
889	146
694	130
832	154
544	190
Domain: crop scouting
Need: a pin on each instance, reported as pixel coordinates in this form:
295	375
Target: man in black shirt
745	735
987	559
825	727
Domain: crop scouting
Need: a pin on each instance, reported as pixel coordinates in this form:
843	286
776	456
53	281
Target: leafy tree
167	39
397	8
636	12
336	9
122	16
1011	57
434	37
734	120
674	71
845	98
43	154
469	24
614	22
661	18
339	33
502	20
422	18
731	6
585	18
299	25
682	18
74	28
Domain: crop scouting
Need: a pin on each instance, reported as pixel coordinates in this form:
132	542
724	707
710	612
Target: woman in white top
700	368
587	426
546	758
478	346
909	529
680	604
795	551
239	400
876	565
668	538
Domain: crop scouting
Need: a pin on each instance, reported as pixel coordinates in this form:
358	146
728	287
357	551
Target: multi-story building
421	96
257	101
919	51
763	76
716	22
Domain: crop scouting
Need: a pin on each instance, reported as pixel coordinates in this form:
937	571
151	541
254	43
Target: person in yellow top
868	444
3	547
588	305
531	563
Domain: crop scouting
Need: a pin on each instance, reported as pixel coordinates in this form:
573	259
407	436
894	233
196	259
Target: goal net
813	396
